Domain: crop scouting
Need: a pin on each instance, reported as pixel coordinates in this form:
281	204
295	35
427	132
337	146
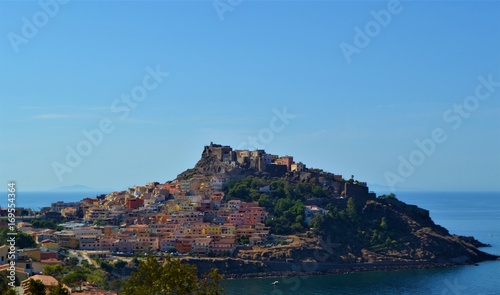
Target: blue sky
228	77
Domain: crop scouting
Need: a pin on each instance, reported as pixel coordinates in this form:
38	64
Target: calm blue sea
37	200
476	214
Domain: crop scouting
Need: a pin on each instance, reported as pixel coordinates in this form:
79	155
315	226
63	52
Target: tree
22	240
319	192
116	285
9	291
39	223
244	240
85	263
120	264
383	223
4	282
74	279
58	290
282	205
391	196
171	277
210	283
36	287
351	210
265	201
317	221
55	270
73	261
297	227
98	277
108	266
135	261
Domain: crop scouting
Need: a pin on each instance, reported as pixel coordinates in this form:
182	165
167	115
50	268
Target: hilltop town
266	212
187	215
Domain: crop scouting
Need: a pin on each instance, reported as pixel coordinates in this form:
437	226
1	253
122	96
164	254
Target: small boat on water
276	283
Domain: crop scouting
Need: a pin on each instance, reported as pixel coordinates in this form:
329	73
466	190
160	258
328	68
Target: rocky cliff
408	236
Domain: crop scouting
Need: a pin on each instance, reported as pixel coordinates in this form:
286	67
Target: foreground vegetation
171	277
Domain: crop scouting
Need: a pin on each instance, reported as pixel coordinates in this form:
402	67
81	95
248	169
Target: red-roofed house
48	281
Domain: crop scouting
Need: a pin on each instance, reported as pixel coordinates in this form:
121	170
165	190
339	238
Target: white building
217	183
310	211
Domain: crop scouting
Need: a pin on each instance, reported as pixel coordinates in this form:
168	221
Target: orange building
286	161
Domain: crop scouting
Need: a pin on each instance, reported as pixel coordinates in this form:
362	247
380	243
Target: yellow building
33	253
228	229
49	245
213	229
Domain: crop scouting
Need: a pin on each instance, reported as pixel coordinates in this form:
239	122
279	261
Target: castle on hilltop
256	159
278	166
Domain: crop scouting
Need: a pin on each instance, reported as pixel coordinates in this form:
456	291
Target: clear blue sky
226	77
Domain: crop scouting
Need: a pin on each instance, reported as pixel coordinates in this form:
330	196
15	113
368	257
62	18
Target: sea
38	200
464	213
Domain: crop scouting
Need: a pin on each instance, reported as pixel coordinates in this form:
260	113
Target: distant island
250	213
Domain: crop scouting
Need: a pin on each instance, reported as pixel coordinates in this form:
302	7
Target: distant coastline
36	200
